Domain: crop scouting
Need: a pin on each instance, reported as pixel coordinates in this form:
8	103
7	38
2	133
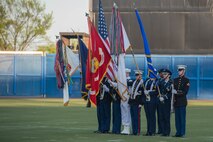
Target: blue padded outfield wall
34	76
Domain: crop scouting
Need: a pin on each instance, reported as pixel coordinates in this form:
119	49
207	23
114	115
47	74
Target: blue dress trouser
105	115
135	117
99	116
158	119
116	128
150	110
165	113
180	120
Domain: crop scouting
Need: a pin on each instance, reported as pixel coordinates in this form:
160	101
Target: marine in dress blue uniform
150	105
165	86
135	102
181	86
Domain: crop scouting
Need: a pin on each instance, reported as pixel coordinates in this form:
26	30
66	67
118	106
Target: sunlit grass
201	103
47	120
18	102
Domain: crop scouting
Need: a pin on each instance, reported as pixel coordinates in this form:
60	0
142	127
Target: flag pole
172	100
131	49
134	58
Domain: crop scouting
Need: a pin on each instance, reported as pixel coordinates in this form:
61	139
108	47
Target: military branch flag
119	44
152	72
72	61
102	29
66	63
83	58
66	94
126	43
59	65
119	40
100	59
88	66
67	68
60	71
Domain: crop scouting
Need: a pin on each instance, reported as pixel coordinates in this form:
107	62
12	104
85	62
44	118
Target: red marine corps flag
99	61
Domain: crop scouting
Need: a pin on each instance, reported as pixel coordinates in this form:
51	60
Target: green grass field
47	120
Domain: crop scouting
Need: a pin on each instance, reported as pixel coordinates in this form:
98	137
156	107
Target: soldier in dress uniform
181	87
158	103
165	86
150	105
98	113
116	107
125	108
104	107
135	102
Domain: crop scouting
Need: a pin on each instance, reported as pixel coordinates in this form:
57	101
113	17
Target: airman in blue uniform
165	96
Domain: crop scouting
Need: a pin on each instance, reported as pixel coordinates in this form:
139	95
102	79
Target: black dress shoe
165	135
147	134
88	103
105	132
176	136
97	131
115	132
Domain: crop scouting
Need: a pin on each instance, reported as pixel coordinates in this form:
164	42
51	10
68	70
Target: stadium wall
33	75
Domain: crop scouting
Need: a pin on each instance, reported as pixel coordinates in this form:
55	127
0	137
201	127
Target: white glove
146	92
138	93
113	84
105	88
161	99
109	81
148	98
139	106
172	109
174	91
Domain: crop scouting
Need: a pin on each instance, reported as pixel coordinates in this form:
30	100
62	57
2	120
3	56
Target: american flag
102	29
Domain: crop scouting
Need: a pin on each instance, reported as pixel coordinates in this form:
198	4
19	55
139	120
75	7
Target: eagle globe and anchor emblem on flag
95	62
